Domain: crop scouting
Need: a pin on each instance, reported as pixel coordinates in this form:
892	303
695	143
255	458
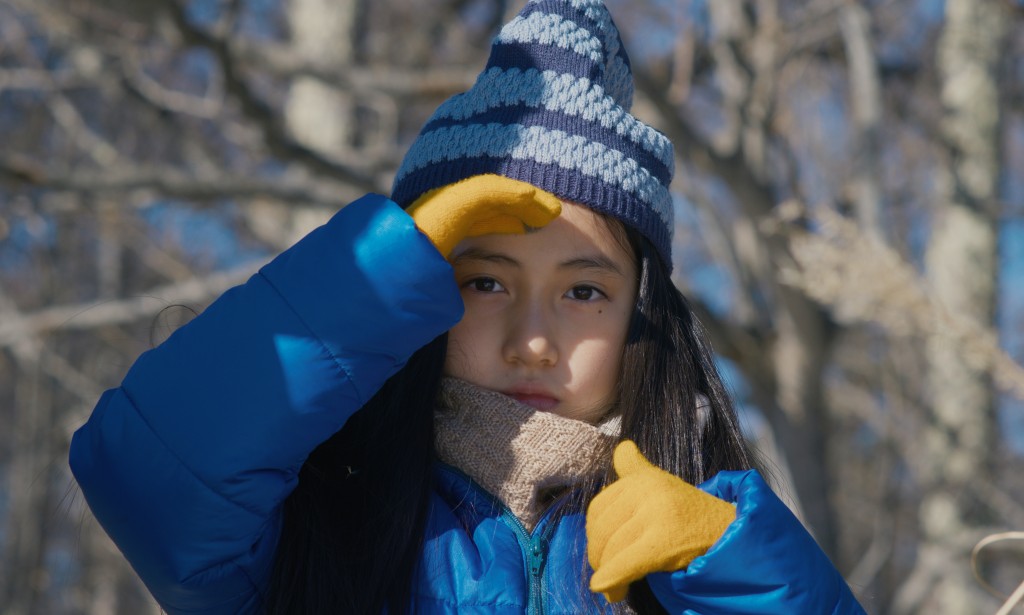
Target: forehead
577	233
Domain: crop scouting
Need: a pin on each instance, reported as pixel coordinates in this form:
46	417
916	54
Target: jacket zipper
534	546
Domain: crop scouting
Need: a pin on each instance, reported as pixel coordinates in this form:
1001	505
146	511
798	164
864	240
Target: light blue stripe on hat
549	29
593	9
618	78
543	145
563	93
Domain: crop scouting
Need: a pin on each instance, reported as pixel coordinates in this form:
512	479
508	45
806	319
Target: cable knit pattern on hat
552	108
515	452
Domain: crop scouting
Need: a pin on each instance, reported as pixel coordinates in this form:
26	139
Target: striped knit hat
552	108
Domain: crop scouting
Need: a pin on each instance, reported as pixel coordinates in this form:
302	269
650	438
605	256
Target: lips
538	400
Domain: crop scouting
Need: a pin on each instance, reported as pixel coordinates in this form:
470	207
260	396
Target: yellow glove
648	521
481	205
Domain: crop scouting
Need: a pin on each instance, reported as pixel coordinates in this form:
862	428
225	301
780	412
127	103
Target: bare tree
962	259
838	167
807	316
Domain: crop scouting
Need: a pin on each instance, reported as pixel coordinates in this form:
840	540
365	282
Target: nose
530	339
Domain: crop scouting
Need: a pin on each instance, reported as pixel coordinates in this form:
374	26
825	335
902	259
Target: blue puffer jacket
187	463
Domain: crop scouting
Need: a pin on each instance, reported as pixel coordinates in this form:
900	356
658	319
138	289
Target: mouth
537	401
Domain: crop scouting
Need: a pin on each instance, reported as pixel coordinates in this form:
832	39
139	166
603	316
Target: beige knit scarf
521	455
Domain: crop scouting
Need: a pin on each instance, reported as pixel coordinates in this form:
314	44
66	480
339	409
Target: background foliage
850	206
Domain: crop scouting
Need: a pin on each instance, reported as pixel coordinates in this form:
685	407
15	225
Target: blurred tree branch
195	291
170	184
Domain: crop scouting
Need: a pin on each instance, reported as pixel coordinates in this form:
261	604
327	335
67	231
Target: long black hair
353	528
673	402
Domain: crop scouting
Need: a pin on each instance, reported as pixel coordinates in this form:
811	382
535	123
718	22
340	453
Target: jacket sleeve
764	563
186	464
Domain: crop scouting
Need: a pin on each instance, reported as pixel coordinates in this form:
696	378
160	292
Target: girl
415	410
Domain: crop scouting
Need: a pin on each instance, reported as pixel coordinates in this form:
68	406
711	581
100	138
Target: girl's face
546	314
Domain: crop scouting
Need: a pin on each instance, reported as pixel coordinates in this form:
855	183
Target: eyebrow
478	254
598	262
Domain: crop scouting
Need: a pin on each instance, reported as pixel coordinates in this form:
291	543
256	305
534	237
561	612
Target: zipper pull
538	553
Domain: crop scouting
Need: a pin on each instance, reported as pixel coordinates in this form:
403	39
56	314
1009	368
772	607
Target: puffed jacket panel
478	557
186	464
765	563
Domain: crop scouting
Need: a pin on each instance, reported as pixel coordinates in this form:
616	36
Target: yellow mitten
481	205
648	521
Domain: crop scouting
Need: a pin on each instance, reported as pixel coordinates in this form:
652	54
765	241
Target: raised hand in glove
481	205
648	521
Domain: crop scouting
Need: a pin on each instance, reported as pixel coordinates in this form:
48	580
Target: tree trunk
318	115
29	481
961	259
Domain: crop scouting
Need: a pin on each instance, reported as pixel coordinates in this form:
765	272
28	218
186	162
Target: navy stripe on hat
563	93
583	159
518	93
539	116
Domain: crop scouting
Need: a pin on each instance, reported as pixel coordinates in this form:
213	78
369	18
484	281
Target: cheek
596	359
466	345
595	371
594	366
455	361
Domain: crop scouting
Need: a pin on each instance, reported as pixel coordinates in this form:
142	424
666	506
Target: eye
484	285
584	293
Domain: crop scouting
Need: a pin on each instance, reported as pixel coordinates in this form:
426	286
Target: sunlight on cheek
594	364
594	375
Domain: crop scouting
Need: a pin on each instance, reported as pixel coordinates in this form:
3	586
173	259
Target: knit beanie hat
551	108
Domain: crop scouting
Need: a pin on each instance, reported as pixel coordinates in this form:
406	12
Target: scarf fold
519	454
